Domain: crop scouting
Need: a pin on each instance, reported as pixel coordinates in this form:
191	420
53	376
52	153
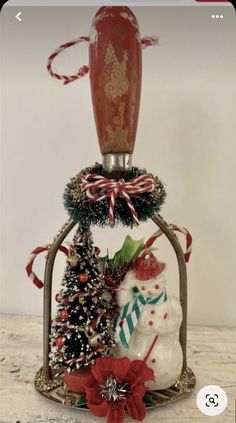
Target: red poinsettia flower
118	384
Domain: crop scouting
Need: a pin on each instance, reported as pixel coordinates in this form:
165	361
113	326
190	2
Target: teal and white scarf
130	315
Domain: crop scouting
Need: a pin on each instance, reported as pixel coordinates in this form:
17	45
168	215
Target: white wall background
186	135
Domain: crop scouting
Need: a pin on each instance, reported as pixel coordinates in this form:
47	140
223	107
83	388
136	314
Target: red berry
58	298
83	277
60	341
64	314
147	267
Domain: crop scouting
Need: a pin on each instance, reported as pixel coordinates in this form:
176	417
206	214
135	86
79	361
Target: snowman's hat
147	267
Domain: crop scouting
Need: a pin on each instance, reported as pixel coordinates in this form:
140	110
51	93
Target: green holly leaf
129	251
148	399
81	401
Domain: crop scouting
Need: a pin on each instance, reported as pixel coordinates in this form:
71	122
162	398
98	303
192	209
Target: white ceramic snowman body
159	323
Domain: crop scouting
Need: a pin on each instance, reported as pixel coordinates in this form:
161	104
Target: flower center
114	391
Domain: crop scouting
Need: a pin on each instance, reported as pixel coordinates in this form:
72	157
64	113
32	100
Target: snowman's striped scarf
130	314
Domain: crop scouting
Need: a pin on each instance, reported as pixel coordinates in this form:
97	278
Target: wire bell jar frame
50	383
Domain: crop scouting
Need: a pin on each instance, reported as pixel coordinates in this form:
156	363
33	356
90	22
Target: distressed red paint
115	61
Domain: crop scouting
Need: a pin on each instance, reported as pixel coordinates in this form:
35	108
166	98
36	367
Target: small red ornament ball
64	314
60	341
58	298
83	277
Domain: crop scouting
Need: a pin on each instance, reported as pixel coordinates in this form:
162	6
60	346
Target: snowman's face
152	287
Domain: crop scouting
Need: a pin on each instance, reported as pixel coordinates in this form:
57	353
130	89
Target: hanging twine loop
99	188
83	70
149	41
67	78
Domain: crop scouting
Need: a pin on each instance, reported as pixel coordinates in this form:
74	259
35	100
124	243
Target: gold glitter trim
59	233
43	385
57	391
186	382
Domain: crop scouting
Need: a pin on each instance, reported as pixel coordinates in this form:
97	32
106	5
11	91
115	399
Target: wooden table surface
211	355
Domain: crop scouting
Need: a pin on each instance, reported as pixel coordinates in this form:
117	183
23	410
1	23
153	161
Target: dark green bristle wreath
87	212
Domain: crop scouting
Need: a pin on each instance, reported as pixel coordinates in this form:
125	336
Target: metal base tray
57	391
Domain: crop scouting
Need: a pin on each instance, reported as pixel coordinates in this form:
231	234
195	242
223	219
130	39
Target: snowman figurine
148	324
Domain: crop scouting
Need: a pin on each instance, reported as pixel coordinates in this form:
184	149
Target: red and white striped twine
83	70
67	78
29	266
149	41
93	184
184	231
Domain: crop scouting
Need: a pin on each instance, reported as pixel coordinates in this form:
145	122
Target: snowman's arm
125	293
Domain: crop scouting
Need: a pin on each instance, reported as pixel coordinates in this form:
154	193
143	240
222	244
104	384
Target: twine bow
99	188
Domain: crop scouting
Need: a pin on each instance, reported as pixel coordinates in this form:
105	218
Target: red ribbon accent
180	229
94	184
29	267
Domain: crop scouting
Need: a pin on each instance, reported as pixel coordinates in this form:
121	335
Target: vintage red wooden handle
115	62
115	65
